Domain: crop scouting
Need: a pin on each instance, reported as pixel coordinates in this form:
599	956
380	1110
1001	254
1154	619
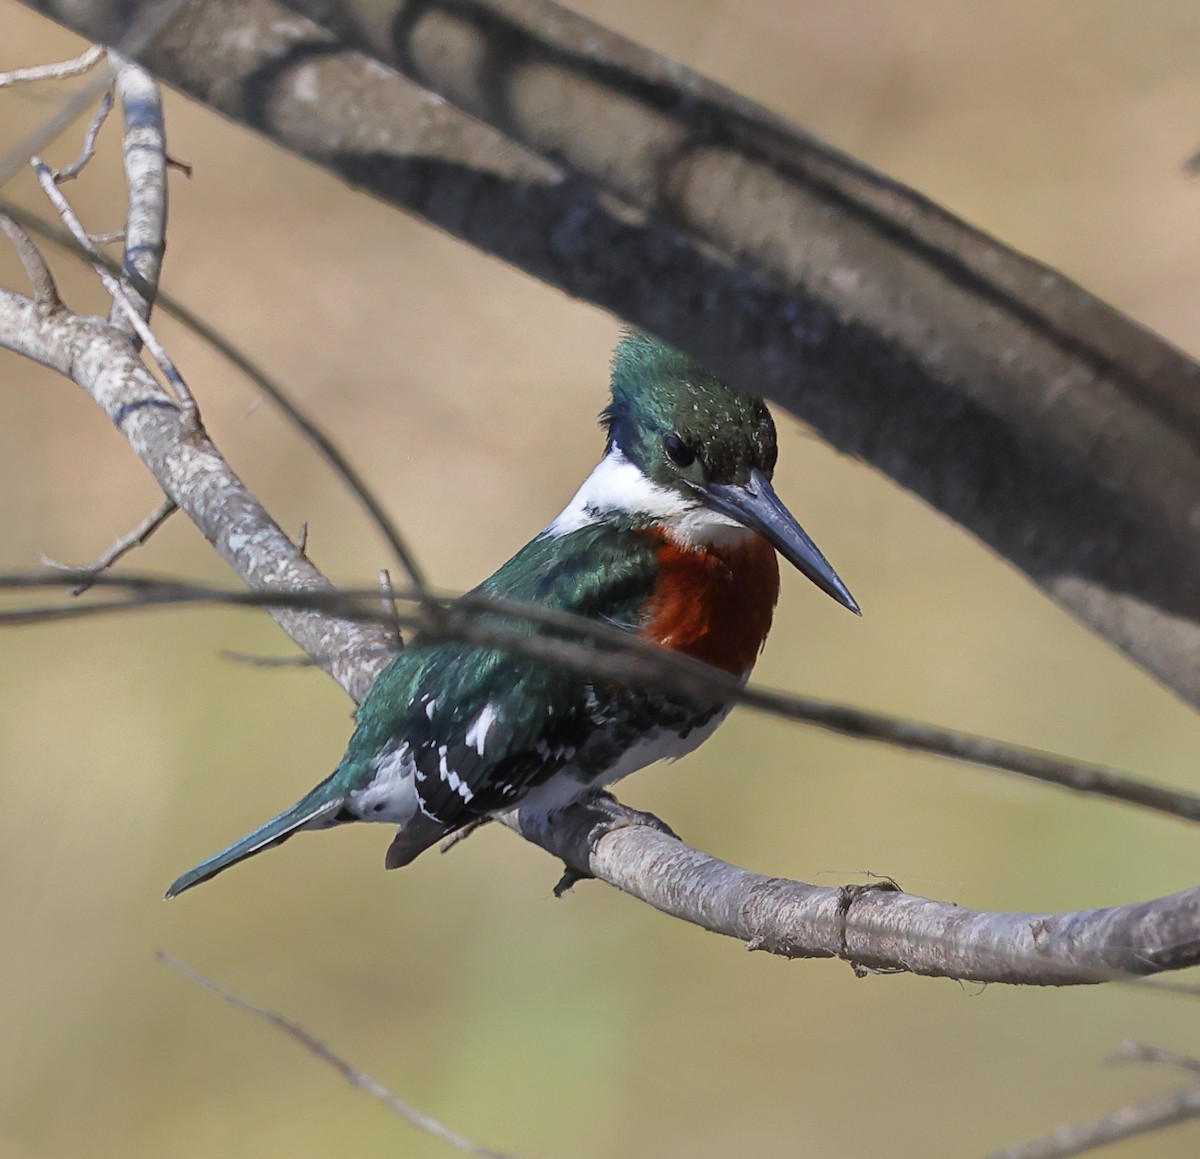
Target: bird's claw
610	815
847	896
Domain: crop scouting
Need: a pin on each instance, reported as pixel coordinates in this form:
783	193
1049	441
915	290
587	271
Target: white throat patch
617	487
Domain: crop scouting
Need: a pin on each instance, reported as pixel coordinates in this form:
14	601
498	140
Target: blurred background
590	1027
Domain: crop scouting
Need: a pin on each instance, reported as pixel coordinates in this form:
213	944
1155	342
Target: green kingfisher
672	537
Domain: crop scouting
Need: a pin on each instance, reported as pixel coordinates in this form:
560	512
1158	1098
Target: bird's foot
609	815
847	896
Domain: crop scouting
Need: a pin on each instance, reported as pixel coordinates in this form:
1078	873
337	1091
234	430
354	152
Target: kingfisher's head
693	457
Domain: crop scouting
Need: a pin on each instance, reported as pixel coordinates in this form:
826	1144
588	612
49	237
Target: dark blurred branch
1053	427
1143	1052
592	649
355	1077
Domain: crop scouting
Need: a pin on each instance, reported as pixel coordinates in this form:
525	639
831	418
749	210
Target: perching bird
672	537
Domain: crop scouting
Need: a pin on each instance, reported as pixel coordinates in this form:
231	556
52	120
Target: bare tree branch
136	538
1056	429
34	264
355	1077
88	149
76	66
144	147
138	31
134	312
388	597
1130	1051
1142	1118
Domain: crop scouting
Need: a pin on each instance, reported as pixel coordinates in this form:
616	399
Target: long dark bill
756	506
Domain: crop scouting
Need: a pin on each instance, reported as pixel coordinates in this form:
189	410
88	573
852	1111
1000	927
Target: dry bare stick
133	310
253	660
76	66
1130	1051
88	149
626	658
18	157
136	538
1142	1118
355	1077
44	288
144	149
388	594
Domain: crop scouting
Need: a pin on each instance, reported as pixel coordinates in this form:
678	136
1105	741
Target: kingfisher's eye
678	451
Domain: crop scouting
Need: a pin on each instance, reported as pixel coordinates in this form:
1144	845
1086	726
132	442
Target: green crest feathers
659	391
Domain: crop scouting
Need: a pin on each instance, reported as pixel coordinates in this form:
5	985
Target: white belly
569	784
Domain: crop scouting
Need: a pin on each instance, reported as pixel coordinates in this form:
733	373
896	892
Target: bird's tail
320	804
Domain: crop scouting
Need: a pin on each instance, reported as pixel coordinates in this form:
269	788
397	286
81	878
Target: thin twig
44	289
352	1075
18	157
136	538
88	151
144	150
132	311
389	604
76	66
1142	1118
1130	1051
605	651
301	661
142	29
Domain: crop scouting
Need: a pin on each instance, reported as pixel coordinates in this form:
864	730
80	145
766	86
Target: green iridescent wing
484	725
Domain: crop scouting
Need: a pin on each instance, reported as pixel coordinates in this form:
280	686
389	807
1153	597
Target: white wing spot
455	782
477	734
431	706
